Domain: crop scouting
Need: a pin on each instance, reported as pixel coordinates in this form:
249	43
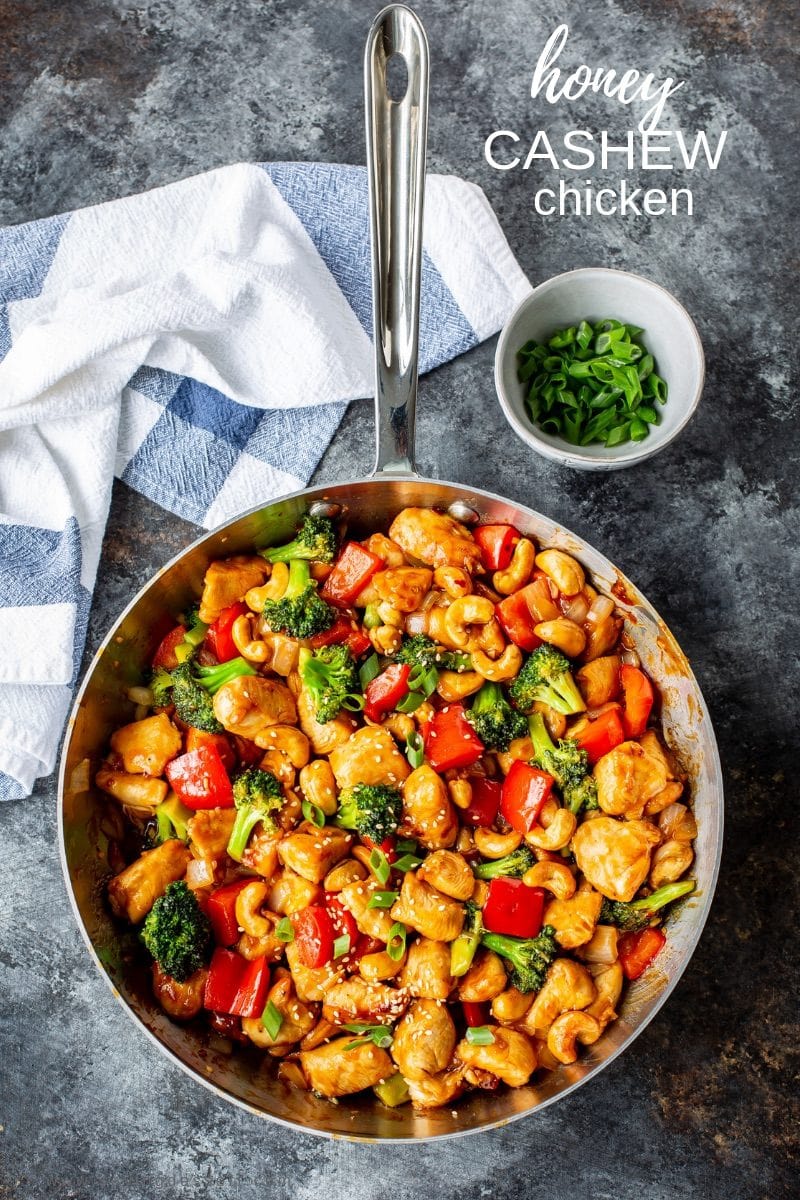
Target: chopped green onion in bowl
592	383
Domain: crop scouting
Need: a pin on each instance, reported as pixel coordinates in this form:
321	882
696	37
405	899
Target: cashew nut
273	589
293	742
386	549
563	633
565	571
465	842
248	905
568	986
454	581
391	615
386	639
669	862
566	1030
557	833
466	611
279	765
349	871
460	792
555	877
455	685
496	845
500	669
608	981
489	638
511	1005
518	571
253	649
319	786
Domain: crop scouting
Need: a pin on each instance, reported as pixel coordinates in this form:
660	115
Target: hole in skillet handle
396	78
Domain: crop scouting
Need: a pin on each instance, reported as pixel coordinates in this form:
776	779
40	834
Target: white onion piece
576	608
200	873
285	653
603	946
416	622
677	823
594	713
630	658
140	695
602	607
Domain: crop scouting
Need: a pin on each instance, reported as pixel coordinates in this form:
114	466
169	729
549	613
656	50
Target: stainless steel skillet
396	159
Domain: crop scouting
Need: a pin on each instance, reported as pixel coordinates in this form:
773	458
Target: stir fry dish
400	812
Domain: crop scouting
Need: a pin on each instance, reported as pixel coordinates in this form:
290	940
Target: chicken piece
311	851
403	587
567	986
435	539
448	872
485	979
355	999
386	549
369	756
422	908
599	680
227	580
510	1057
147	746
574	920
434	1091
333	1070
311	983
426	973
626	779
181	1001
135	890
138	792
652	745
615	855
327	736
251	704
289	892
297	1018
209	832
374	922
424	1040
429	814
261	852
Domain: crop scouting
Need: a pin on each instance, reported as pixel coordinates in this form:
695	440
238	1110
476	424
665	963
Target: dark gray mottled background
102	99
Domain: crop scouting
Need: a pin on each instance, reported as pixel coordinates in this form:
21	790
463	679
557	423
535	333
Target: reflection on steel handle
396	137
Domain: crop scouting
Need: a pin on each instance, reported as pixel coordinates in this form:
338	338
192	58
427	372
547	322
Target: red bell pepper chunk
513	908
251	995
200	780
450	740
386	690
165	657
476	1013
388	846
351	573
638	693
525	791
602	735
221	912
345	630
219	638
497	544
484	803
637	951
314	933
224	977
518	621
195	738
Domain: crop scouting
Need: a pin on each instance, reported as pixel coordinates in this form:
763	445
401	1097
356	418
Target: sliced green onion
396	945
379	864
313	813
406	862
381	1035
480	1035
415	750
284	930
382	899
341	945
410	703
353	702
368	670
272	1020
406	845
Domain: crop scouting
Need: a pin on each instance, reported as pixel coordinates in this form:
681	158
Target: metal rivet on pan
462	512
325	508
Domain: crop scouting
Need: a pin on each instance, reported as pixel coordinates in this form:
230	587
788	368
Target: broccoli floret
464	947
530	958
639	914
516	863
171	820
567	763
300	612
494	720
177	932
258	796
546	676
421	651
374	810
329	675
213	678
160	682
315	541
195	628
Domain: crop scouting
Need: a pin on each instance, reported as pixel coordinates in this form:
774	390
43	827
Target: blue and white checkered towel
202	341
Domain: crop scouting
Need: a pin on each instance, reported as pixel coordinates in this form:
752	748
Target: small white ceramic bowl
591	294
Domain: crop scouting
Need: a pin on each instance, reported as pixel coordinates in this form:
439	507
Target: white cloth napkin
202	341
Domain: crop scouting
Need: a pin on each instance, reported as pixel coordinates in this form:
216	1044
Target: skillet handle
396	139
